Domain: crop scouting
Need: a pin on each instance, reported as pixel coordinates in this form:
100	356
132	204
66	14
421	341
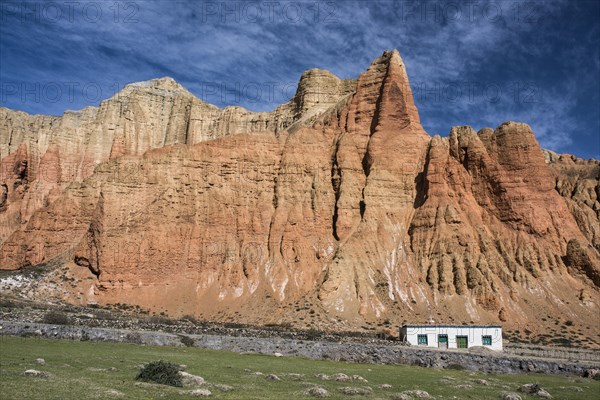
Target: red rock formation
336	202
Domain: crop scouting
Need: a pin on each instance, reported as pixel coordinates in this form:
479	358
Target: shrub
190	318
234	325
161	372
56	318
569	323
313	334
134	337
7	303
186	340
160	320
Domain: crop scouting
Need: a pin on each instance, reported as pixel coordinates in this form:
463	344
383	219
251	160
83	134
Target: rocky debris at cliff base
592	373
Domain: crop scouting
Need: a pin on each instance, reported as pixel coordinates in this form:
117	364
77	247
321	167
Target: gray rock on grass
196	393
317	392
188	379
356	391
37	374
411	395
272	377
535	390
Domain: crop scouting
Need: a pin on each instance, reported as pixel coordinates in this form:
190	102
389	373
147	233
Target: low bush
160	320
189	318
56	318
161	372
186	340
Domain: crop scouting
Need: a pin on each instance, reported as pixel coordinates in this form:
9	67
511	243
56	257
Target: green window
422	339
462	342
486	340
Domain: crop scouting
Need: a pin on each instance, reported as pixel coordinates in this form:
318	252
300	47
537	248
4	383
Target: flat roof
451	326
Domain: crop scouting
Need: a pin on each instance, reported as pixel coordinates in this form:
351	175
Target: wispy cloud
254	53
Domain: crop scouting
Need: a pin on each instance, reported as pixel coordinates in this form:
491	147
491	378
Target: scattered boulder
317	392
188	379
535	389
356	391
278	355
221	387
40	361
543	394
257	373
411	395
529	388
272	377
510	396
359	378
37	374
592	373
324	377
481	382
196	393
295	377
385	386
340	377
115	393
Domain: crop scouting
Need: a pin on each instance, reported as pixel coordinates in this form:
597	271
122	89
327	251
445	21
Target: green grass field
81	370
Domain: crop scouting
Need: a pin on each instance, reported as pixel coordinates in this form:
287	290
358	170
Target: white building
453	336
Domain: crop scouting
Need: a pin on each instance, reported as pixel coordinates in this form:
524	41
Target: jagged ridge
337	201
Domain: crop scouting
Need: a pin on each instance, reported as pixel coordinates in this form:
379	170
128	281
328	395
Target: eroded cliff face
337	208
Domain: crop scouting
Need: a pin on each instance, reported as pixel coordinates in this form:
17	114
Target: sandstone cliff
337	208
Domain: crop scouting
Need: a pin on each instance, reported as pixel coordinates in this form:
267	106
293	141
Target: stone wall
352	352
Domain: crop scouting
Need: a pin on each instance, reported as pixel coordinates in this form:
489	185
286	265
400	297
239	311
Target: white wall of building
474	334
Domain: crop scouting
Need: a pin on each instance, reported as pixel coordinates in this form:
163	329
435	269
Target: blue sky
473	62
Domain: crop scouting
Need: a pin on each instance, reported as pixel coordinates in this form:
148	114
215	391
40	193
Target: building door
462	342
443	341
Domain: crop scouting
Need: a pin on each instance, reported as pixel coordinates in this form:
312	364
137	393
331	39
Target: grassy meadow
91	370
